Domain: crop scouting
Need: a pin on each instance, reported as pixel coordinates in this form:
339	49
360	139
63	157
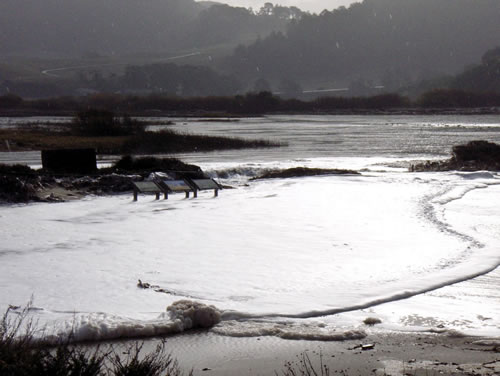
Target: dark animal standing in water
144	285
156	288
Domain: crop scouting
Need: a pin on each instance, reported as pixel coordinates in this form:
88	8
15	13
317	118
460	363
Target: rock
22	184
372	321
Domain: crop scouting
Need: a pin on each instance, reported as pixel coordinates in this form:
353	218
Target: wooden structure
174	186
205	184
167	187
81	161
146	187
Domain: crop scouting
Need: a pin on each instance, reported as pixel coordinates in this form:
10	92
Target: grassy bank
111	134
164	142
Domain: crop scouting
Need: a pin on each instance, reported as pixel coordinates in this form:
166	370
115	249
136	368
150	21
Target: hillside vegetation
376	42
187	49
124	27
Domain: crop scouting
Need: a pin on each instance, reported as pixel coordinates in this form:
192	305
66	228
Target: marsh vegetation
109	133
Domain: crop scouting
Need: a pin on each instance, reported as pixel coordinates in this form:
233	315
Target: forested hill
377	42
118	27
91	26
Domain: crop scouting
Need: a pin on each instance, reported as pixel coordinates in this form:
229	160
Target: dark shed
70	160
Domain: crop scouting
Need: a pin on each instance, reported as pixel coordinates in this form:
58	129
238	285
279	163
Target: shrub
15	189
17	357
97	123
304	366
480	151
169	141
145	164
10	101
473	156
65	360
156	363
17	183
16	169
453	98
21	355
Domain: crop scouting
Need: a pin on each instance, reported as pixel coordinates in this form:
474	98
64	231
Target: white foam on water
288	330
180	316
292	248
275	256
471	307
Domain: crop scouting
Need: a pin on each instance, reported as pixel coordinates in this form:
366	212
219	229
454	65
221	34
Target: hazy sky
309	5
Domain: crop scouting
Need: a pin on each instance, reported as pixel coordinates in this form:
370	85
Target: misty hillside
377	42
484	77
123	27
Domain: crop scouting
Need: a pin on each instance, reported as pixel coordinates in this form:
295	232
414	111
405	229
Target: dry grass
23	355
40	140
145	143
304	366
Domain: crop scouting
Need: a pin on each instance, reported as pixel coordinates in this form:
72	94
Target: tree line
392	43
248	104
94	28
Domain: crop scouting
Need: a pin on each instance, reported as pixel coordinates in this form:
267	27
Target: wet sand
392	354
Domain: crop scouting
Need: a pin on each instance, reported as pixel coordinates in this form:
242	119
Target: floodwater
294	258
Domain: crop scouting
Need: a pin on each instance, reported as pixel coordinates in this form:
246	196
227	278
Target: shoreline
392	354
408	111
395	353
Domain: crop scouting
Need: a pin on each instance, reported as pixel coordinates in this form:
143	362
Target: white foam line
233	315
429	215
429	212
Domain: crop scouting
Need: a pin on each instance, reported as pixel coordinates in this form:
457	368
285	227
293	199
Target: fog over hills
111	27
376	43
383	42
82	26
313	6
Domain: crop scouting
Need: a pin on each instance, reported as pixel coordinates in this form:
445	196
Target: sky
314	6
